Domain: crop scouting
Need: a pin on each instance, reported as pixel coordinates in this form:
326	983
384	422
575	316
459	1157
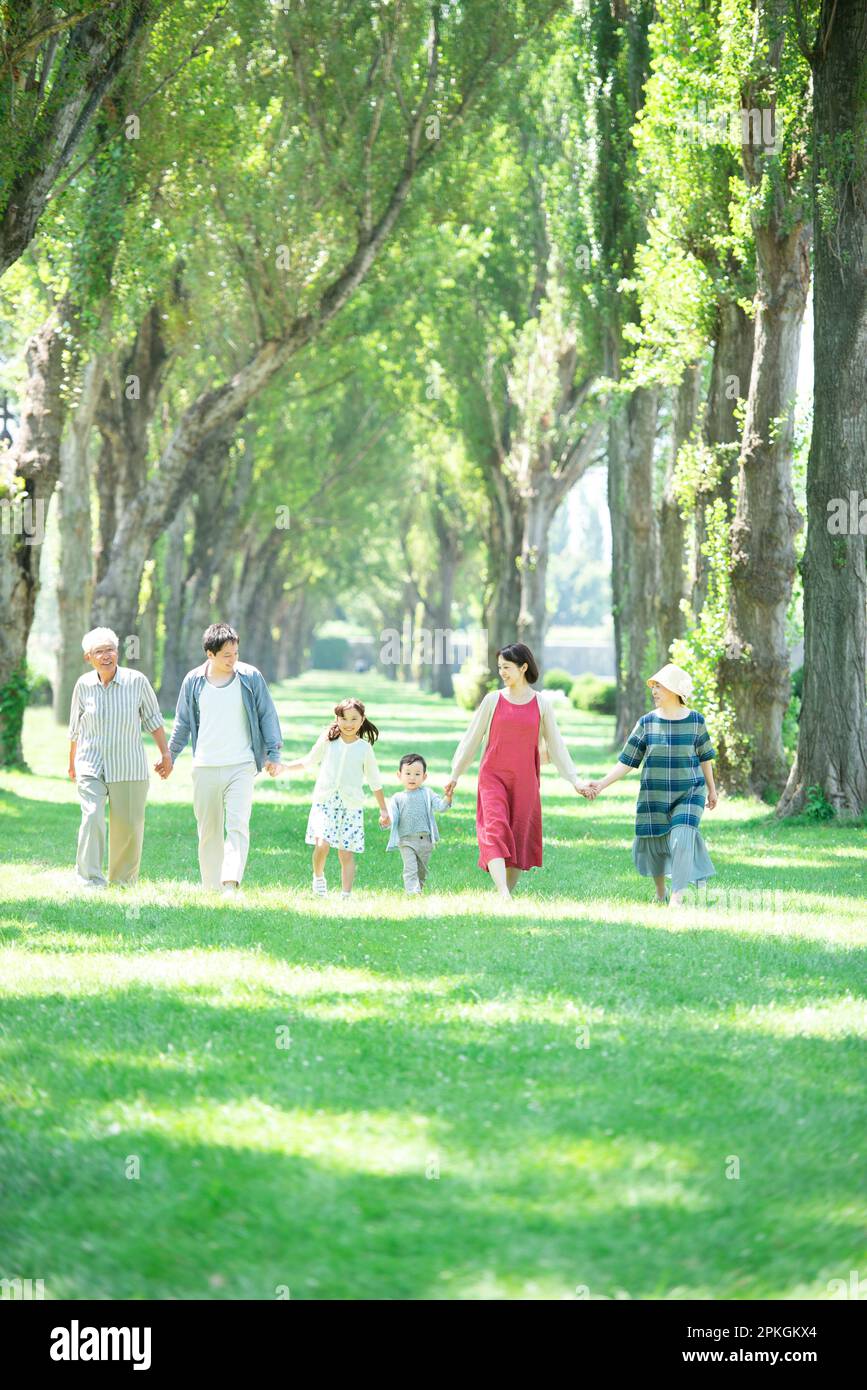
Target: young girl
676	775
344	756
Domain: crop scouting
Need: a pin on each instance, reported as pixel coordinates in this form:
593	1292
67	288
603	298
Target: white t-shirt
224	729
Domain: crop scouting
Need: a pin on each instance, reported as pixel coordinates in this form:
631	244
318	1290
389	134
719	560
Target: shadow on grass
585	858
602	1166
565	957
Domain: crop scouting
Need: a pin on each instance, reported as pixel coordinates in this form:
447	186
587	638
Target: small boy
413	824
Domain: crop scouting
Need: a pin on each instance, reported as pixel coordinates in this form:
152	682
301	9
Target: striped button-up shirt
106	723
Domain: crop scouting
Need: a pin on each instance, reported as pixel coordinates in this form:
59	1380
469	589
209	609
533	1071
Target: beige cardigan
551	745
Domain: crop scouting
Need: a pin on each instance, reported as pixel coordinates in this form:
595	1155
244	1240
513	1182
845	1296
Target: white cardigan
344	768
551	746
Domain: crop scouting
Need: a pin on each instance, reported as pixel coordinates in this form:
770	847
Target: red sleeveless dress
509	807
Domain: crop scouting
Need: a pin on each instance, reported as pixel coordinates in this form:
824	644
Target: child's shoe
320	887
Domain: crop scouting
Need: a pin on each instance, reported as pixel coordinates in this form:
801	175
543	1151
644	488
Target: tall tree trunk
180	639
148	622
441	671
232	562
449	523
436	595
75	568
36	460
410	608
214	519
548	480
622	59
673	527
754	671
533	572
256	599
832	738
731	369
296	627
261	643
127	405
502	599
634	552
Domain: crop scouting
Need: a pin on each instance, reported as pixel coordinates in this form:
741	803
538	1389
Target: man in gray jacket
226	712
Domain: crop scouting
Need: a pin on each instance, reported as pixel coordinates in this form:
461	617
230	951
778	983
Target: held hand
447	795
164	765
449	788
384	820
712	798
275	769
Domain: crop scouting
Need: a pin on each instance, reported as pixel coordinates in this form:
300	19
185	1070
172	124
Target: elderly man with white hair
110	706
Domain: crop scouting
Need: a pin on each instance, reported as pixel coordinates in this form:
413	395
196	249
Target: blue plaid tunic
672	790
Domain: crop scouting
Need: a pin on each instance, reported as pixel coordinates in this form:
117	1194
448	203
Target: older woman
522	732
110	706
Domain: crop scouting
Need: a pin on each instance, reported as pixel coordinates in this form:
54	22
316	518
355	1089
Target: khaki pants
415	851
223	795
126	829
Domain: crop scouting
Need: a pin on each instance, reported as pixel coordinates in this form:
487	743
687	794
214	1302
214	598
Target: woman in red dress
522	733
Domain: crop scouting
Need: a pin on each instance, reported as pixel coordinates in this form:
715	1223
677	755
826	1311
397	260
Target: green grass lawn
392	1097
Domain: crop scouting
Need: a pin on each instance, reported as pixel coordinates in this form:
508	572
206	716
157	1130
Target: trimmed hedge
330	654
39	690
472	683
594	694
557	679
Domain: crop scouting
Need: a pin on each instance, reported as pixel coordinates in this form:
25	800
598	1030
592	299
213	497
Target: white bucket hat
674	678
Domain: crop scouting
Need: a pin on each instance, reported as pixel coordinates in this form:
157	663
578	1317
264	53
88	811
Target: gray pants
126	801
415	851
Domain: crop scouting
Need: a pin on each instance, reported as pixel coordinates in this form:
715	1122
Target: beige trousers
126	802
223	796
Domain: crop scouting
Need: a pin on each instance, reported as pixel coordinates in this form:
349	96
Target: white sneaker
344	894
230	890
320	887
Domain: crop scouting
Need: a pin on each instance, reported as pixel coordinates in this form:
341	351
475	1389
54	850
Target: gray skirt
681	855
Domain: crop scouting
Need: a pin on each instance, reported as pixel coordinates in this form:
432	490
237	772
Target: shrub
818	807
40	692
557	679
330	654
594	693
13	702
472	683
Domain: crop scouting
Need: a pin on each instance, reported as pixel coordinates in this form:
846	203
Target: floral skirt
681	854
333	821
